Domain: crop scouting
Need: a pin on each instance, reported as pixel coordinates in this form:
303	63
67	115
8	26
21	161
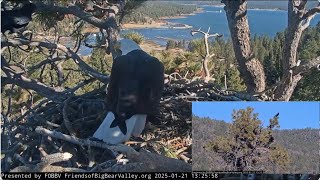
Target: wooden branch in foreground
150	162
83	66
51	93
76	11
45	165
66	120
130	152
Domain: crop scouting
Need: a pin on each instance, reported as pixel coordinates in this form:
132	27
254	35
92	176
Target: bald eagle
16	20
133	93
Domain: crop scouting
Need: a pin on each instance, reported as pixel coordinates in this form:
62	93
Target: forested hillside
153	10
301	144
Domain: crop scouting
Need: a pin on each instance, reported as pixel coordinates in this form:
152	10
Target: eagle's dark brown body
135	87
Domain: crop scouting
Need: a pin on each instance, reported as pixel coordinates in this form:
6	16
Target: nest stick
65	117
85	142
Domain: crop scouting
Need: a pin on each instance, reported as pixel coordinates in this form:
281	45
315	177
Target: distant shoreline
158	24
199	10
258	9
162	23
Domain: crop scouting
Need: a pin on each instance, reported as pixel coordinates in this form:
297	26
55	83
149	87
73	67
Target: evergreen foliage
172	44
247	144
135	36
153	10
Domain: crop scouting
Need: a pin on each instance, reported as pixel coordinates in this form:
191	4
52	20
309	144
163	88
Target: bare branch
66	120
211	55
83	66
43	90
24	82
215	35
47	161
308	16
120	147
32	110
208	55
312	12
193	32
80	85
75	10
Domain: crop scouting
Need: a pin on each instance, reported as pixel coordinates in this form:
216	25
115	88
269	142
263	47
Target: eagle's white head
124	46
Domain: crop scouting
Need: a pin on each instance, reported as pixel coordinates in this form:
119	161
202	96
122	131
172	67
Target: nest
50	131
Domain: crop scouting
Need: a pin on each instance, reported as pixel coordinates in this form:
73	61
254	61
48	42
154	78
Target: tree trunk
296	26
250	68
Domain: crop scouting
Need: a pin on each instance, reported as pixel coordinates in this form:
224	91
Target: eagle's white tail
135	125
139	124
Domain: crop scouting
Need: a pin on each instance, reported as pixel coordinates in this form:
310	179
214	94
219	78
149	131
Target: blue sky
293	115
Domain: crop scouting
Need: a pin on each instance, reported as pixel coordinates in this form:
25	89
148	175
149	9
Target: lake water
261	22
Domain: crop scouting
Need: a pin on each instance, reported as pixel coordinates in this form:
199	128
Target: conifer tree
248	144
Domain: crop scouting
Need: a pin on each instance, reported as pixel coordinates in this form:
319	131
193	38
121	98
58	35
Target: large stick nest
34	141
